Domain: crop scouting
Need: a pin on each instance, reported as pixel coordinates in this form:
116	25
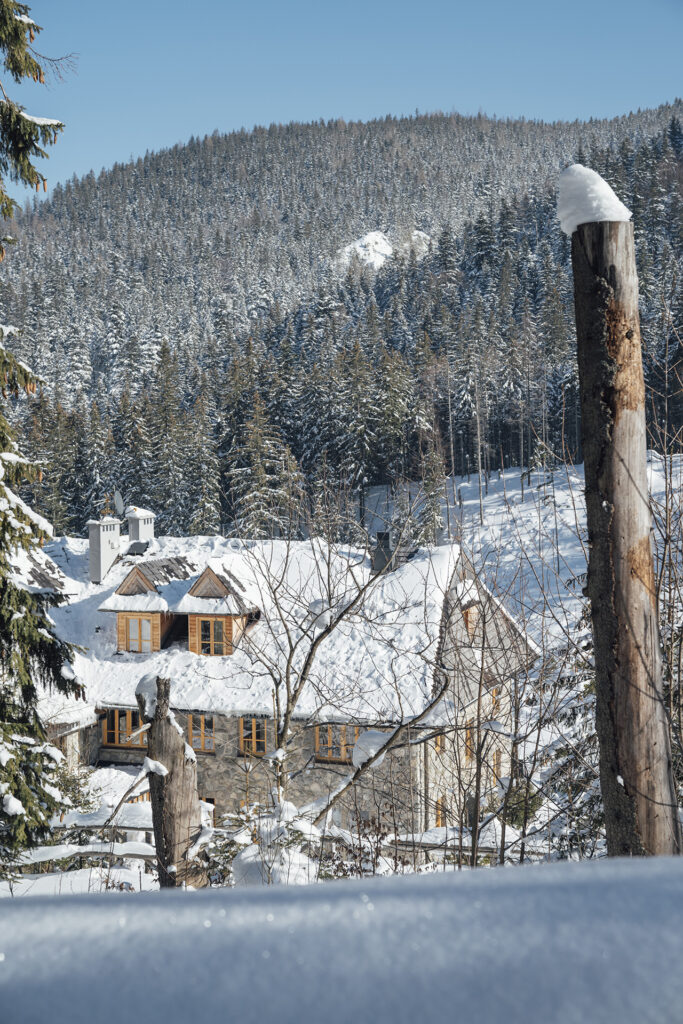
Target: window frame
203	733
139	619
344	745
248	744
225	642
140	741
440	809
440	744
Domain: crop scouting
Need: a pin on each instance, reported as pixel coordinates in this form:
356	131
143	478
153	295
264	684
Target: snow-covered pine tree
433	488
203	466
265	483
31	655
22	136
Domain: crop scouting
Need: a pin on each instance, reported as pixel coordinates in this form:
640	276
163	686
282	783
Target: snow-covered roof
175	581
103	521
34	571
378	665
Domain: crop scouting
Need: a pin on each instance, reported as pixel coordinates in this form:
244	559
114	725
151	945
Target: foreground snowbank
565	942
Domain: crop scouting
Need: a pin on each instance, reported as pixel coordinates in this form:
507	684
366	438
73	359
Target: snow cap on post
586	198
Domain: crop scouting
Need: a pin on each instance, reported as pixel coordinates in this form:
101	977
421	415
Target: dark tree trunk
176	810
636	778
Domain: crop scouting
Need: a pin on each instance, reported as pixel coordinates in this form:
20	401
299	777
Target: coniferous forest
208	349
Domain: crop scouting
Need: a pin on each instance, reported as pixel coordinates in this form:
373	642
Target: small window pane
205	626
123	726
146	631
208	734
133	635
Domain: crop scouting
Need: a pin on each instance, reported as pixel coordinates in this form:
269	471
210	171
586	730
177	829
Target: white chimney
105	542
140	523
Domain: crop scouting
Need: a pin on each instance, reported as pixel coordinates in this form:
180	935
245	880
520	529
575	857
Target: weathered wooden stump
176	811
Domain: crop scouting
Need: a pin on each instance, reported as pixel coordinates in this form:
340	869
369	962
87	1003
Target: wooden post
641	814
176	812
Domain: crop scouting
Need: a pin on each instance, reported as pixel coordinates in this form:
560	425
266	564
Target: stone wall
391	793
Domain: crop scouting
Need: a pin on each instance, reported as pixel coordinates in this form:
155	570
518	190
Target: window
200	731
439	743
117	727
253	736
471	617
139	634
440	812
335	742
469	740
495	699
496	764
212	637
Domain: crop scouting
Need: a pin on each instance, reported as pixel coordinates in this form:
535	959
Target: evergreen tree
21	137
31	655
265	484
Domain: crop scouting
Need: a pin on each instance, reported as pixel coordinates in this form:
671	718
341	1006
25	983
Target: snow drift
598	942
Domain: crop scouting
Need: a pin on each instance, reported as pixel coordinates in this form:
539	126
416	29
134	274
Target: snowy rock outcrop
374	249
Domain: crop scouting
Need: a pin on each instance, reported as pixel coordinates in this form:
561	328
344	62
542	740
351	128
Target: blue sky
150	74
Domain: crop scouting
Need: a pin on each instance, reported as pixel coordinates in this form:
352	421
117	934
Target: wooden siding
135	583
167	619
121	631
208	585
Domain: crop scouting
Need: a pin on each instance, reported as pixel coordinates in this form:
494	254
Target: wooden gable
208	585
136	583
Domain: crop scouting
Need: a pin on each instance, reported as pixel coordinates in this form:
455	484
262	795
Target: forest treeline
235	382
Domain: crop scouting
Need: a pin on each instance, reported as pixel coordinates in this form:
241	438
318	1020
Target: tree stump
176	811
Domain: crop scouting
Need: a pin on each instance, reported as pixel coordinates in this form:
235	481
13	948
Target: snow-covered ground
531	549
576	943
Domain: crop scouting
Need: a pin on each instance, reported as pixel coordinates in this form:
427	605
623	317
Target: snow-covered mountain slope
598	942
